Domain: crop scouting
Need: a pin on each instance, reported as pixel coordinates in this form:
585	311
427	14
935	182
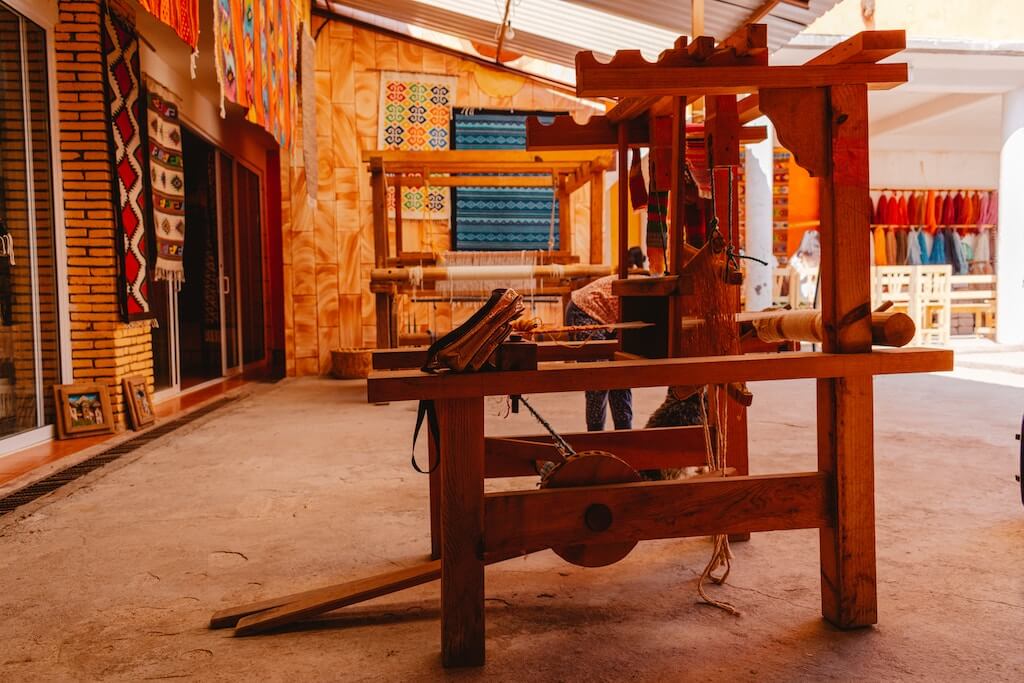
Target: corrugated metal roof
555	30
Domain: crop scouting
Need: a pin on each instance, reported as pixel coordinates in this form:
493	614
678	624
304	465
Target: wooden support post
398	215
737	448
597	217
384	301
383	304
564	220
676	251
462	531
845	427
623	152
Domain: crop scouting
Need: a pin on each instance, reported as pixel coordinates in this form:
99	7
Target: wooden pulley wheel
592	468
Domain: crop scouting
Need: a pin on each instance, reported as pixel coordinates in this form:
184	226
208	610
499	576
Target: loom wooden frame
567	171
823	121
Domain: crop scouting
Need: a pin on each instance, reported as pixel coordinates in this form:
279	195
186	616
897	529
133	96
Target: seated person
596	305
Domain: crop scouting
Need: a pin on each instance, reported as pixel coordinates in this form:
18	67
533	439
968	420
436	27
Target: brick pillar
103	348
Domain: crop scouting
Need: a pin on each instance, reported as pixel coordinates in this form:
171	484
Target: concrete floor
304	484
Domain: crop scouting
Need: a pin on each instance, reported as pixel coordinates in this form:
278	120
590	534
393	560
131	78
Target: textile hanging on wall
122	86
414	115
181	15
255	50
167	178
500	218
310	154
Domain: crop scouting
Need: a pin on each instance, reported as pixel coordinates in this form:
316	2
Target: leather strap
426	410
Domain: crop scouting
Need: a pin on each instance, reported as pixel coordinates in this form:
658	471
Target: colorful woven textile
255	49
167	177
500	218
123	91
414	115
181	15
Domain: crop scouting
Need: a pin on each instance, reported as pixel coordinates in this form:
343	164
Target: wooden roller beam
407	385
415	357
529	521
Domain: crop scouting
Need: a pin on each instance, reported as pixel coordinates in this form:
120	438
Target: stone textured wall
328	251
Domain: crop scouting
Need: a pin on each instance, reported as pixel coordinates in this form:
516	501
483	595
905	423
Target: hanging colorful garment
181	15
123	88
982	261
930	219
913	257
890	246
957	253
938	254
167	178
992	217
959	217
657	229
415	115
637	186
879	246
901	211
948	210
912	209
881	209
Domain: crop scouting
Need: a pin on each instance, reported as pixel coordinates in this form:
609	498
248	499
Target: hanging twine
715	457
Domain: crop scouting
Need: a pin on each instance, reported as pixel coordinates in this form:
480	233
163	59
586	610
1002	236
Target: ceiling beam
936	108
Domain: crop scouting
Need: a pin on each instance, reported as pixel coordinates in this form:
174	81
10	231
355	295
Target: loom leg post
462	531
848	573
738	450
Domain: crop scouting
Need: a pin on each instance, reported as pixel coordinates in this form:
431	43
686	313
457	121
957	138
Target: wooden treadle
261	616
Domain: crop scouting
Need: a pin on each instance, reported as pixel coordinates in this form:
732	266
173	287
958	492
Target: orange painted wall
804	205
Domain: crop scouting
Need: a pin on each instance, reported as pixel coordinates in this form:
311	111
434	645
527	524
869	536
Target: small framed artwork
140	408
83	410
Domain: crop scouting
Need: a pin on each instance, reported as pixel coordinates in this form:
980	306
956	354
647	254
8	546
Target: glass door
231	348
250	266
29	331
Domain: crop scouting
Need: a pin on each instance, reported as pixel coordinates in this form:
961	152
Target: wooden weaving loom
564	171
820	112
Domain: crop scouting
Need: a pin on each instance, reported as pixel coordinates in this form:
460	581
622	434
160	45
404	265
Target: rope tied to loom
715	457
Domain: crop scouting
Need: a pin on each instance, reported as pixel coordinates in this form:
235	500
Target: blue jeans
621	400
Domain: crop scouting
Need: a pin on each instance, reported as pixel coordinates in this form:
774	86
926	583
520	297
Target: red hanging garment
880	209
931	209
901	211
959	217
912	209
948	210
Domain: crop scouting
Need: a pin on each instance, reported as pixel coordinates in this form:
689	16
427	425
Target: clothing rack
934	226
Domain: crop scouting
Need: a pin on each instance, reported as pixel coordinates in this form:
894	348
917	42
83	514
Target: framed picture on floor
136	397
83	410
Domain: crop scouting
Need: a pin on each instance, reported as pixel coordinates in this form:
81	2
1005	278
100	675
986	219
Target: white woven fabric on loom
461	286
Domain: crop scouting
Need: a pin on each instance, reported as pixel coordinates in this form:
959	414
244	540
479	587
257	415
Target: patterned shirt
597	300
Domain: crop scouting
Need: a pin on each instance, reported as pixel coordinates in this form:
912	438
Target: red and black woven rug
123	89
